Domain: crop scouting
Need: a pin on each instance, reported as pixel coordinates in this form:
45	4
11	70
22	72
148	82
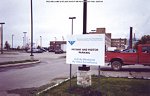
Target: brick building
56	45
119	43
107	36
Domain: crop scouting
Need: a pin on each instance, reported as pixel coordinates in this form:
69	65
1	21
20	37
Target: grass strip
108	87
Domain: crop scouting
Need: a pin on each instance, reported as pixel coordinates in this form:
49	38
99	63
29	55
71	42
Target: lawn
108	87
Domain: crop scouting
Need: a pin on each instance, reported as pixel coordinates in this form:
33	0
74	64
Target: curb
53	86
129	75
17	64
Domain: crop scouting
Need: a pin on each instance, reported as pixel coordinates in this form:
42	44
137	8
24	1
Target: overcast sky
52	19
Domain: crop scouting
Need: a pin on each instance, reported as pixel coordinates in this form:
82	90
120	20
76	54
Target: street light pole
2	37
55	43
12	40
31	30
71	34
72	23
41	41
24	44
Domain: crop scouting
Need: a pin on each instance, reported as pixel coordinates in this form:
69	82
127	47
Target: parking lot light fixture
72	23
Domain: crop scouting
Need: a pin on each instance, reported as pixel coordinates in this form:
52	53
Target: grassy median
108	87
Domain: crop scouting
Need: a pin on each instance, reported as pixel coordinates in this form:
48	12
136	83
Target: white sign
88	49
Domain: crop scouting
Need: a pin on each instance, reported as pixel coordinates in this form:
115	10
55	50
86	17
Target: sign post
87	49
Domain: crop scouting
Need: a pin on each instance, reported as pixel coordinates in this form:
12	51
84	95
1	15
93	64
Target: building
119	43
107	36
57	45
108	40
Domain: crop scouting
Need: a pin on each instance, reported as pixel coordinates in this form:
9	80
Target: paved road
26	76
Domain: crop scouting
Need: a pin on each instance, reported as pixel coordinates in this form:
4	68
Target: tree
144	40
18	48
7	45
38	47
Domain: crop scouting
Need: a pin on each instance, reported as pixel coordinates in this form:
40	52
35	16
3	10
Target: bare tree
7	45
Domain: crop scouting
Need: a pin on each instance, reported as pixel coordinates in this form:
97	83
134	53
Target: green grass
15	62
108	87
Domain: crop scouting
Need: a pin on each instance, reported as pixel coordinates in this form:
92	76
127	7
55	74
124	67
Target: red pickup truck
119	59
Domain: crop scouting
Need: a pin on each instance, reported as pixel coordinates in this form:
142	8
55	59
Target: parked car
58	51
35	50
50	50
43	49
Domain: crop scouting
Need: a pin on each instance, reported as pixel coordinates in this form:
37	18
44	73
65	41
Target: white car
35	50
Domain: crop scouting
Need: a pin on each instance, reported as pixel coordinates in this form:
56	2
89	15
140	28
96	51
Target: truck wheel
116	65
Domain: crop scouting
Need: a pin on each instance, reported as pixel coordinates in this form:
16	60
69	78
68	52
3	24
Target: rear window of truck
146	49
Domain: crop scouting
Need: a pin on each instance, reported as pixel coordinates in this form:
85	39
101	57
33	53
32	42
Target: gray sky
52	19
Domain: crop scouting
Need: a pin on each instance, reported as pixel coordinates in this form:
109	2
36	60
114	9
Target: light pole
55	43
31	30
41	41
2	37
12	40
72	23
71	34
24	42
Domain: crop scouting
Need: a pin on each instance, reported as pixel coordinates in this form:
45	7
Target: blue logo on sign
71	42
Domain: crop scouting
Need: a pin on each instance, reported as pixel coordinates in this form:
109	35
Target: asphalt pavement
32	75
